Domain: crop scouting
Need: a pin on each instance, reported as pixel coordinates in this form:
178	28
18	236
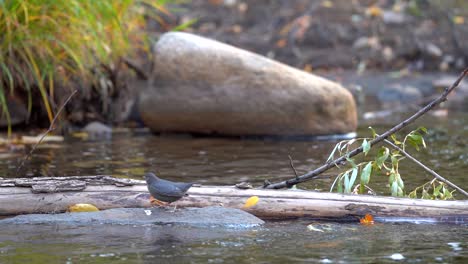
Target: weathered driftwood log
21	196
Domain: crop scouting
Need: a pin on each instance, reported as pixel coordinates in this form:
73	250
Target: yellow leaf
308	68
327	4
281	43
77	208
251	202
458	20
374	11
82	135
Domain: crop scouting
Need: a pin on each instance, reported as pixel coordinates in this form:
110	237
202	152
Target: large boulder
203	86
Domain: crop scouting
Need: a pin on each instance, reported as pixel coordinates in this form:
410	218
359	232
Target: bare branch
292	166
50	129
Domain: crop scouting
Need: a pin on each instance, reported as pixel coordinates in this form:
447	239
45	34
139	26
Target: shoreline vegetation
50	48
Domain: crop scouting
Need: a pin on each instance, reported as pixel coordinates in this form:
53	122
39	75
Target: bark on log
106	192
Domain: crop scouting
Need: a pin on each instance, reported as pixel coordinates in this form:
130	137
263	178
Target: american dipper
166	191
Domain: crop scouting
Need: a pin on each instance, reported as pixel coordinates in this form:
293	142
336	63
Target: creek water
229	161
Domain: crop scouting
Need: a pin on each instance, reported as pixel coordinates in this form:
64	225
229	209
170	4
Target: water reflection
277	242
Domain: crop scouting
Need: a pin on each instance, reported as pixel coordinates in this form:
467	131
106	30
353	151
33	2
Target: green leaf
447	194
400	192
6	71
394	189
185	25
354	173
392	177
395	140
425	194
443	191
382	156
366	146
366	173
347	188
351	161
362	189
423	129
394	158
415	139
374	134
337	179
400	181
332	154
340	186
413	194
437	190
345	144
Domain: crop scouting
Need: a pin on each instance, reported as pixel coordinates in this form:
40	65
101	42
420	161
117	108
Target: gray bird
166	191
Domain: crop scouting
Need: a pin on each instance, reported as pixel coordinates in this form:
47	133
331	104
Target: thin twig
50	129
314	173
427	169
292	166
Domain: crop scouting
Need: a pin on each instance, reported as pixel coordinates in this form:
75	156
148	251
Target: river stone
97	130
203	86
199	217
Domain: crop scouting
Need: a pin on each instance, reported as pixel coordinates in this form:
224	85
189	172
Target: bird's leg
157	202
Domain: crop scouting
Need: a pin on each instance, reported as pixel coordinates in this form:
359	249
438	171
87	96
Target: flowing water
229	161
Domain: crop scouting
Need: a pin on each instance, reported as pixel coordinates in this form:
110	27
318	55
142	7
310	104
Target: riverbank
336	39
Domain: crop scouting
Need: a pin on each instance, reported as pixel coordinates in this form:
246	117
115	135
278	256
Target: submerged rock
200	217
203	86
98	130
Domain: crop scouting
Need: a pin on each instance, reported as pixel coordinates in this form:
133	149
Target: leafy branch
341	160
439	191
386	162
427	169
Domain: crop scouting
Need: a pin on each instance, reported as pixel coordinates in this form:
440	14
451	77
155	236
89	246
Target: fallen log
50	195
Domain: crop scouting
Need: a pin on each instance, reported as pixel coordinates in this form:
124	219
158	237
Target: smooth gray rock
98	130
203	86
199	217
